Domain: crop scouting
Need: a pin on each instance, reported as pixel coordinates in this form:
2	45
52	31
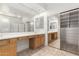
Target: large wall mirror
52	23
4	24
9	24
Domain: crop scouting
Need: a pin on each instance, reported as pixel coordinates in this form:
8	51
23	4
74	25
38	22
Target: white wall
0	35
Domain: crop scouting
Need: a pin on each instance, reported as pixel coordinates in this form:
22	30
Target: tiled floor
49	51
45	51
55	43
29	52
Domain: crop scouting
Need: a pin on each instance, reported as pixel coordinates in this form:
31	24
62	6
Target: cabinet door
13	47
31	43
34	42
4	47
42	40
8	48
37	41
49	37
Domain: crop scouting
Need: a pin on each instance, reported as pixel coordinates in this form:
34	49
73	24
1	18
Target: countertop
52	31
15	35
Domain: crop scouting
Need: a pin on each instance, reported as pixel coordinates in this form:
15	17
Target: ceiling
26	9
32	9
60	7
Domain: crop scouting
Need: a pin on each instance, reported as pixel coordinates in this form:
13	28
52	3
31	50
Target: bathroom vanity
52	36
8	43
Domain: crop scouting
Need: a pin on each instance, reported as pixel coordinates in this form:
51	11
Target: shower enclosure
69	31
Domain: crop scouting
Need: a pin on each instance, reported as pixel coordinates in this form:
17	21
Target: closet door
64	20
70	34
78	42
78	32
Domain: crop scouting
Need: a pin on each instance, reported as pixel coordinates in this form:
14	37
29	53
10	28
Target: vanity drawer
4	42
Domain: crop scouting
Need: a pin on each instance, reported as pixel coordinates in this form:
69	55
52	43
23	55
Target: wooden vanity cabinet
8	47
52	36
36	42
